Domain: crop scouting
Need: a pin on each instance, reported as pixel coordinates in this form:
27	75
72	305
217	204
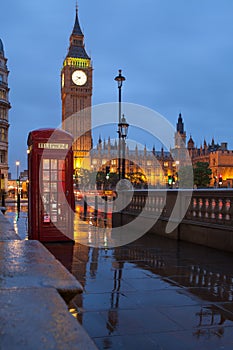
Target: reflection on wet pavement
154	293
18	219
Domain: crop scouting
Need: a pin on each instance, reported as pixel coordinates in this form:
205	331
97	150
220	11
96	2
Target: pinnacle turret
77	47
1	48
77	29
180	125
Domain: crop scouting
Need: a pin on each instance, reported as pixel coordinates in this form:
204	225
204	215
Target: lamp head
123	127
120	79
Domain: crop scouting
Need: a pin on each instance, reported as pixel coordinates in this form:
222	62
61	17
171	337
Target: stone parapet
200	216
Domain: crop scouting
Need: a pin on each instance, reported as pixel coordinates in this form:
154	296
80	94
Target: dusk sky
176	56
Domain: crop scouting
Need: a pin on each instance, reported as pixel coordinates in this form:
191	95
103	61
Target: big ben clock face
79	77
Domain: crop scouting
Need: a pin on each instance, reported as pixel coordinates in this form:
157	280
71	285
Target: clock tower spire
76	95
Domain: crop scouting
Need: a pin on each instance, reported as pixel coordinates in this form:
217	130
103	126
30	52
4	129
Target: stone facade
4	120
220	161
158	166
76	95
155	166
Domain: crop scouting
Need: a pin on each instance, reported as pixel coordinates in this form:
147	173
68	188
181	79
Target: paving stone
25	264
37	318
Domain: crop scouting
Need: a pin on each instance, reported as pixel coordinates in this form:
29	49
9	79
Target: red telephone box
51	197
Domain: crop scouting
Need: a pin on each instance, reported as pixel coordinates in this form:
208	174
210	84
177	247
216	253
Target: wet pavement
154	293
19	220
34	290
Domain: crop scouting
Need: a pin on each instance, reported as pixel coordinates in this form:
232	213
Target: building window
165	164
3	134
2	157
2	94
3	113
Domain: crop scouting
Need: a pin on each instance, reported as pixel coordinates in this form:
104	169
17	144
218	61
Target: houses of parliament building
76	95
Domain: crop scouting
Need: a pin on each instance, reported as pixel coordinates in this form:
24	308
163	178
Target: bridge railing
214	206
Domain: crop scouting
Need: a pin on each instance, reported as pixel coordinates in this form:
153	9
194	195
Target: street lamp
119	80
123	131
17	163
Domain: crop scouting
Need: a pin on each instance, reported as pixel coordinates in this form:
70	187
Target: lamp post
17	163
123	131
119	80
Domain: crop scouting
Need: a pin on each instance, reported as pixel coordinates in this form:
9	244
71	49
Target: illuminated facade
155	166
76	95
220	161
4	124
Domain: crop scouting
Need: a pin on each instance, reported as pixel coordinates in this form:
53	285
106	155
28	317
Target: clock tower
76	95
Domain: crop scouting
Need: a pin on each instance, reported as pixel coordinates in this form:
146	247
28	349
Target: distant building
156	166
220	161
22	185
4	120
23	175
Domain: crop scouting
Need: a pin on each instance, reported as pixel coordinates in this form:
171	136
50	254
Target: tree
185	176
137	179
202	174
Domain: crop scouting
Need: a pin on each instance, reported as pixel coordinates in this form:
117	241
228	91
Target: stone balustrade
203	216
213	206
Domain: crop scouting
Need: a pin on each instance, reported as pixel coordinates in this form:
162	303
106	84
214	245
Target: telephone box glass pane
45	175
53	164
53	190
54	175
53	187
61	164
46	187
45	163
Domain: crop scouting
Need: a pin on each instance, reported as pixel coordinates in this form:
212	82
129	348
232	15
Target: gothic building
154	166
180	134
76	95
4	121
220	161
